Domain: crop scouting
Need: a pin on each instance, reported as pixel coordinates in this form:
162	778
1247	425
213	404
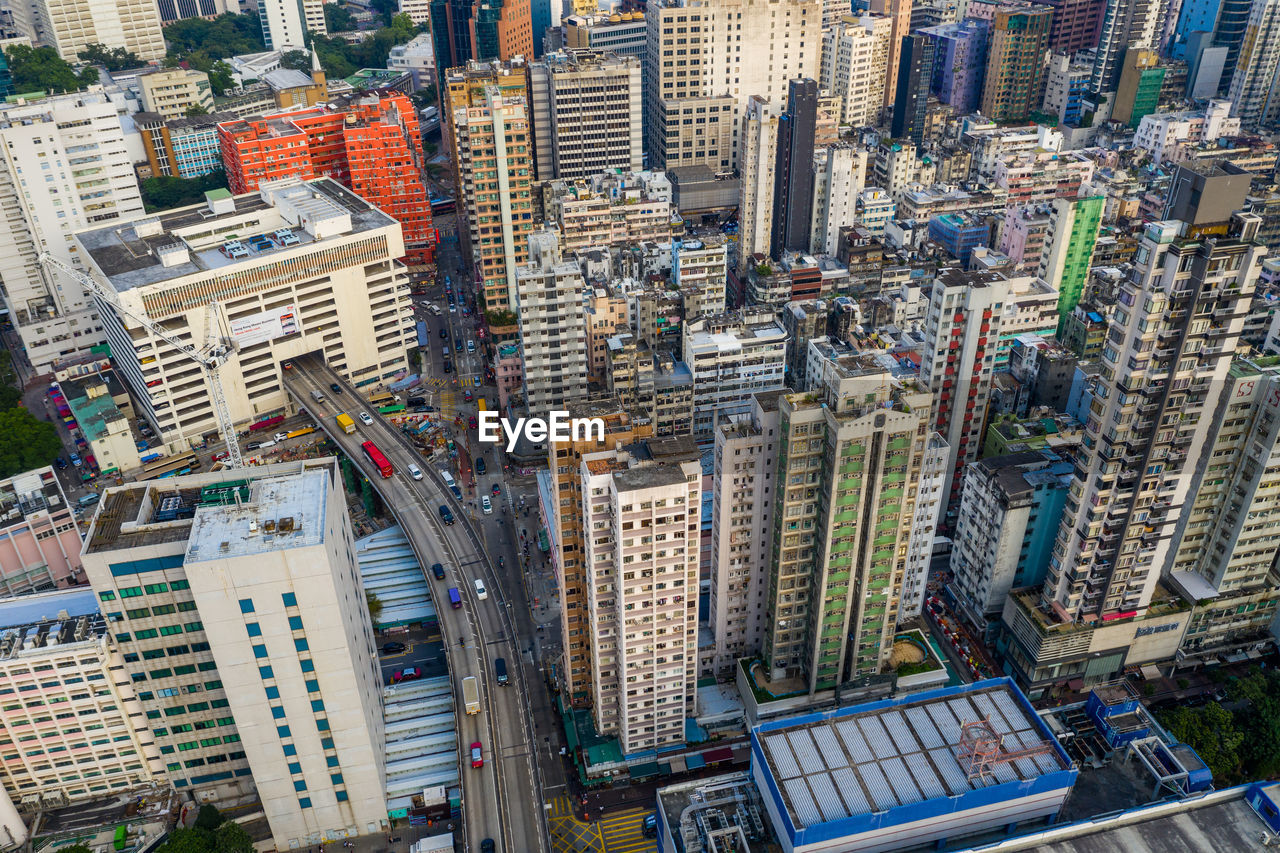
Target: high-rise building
915	76
240	615
39	542
839	175
285	23
643	507
370	143
1138	94
793	174
553	326
573	537
855	67
744	481
491	134
172	91
625	36
320	276
721	53
899	14
184	147
1076	25
54	138
586	114
175	10
1254	96
844	531
700	271
960	62
1068	249
482	31
962	330
1013	86
1066	83
1005	529
733	356
756	168
1225	559
1229	33
1126	24
1163	374
69	26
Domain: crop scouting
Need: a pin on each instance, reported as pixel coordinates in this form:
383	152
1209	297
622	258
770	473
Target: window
305	802
259	651
294	768
273	692
246	605
290	600
300	644
265	672
299	785
295	623
254	629
283	731
277	712
317	704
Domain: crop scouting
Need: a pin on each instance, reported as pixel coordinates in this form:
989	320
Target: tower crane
210	357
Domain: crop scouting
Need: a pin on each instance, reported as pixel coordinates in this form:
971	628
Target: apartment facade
69	26
321	275
587	115
65	167
39	540
855	67
756	167
172	91
552	311
960	63
1068	250
839	176
642	508
733	356
1014	82
1253	89
596	214
184	147
700	271
239	610
285	23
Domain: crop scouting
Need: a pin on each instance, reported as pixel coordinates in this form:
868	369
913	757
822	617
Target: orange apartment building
370	143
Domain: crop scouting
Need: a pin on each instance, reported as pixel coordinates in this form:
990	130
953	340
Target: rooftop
719	814
32	493
282	512
47	619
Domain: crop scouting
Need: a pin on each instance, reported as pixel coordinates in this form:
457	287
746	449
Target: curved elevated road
503	799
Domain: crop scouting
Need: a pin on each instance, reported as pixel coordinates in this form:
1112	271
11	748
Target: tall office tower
326	280
915	76
241	616
1225	561
1255	90
1005	529
706	56
839	176
960	62
68	26
1014	83
793	174
1139	91
1164	374
843	529
371	143
746	458
899	14
625	36
1076	25
175	10
1229	32
573	537
962	332
479	30
733	356
586	114
285	23
553	326
54	138
756	168
492	141
1068	249
855	67
643	507
1125	24
57	646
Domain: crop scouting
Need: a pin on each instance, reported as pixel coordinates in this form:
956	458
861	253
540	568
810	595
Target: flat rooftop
875	757
282	512
38	622
129	254
32	493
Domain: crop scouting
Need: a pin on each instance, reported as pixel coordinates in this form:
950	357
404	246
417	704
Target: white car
365	419
415	472
481	592
281	436
486	505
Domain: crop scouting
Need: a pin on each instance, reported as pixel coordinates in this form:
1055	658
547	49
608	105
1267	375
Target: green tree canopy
1212	733
209	818
298	60
226	35
375	606
231	838
162	193
195	110
41	69
337	19
25	442
386	8
220	79
115	59
194	840
340	59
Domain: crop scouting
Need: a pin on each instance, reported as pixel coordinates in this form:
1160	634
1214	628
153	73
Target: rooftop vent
149	227
173	254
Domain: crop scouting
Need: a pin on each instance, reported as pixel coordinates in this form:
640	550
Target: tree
114	59
298	60
231	838
194	840
25	442
209	818
337	19
10	395
385	8
41	69
1212	733
425	97
75	848
375	606
195	110
220	78
226	35
164	193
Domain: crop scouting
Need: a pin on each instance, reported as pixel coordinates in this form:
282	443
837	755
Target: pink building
39	542
508	370
606	314
1023	235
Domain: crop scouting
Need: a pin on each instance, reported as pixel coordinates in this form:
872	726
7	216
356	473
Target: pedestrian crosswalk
615	832
454	382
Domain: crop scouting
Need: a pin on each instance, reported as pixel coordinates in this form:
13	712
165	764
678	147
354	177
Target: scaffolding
982	748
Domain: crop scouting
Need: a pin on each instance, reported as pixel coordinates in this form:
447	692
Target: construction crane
211	357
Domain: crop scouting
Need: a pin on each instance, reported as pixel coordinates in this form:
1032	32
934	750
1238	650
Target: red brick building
369	143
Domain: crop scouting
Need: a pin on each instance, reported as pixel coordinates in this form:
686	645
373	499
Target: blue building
927	768
959	234
959	62
1195	16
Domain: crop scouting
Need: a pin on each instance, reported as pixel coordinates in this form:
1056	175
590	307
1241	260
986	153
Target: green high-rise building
1068	251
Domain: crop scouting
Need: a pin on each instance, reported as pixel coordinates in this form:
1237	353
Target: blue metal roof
47	606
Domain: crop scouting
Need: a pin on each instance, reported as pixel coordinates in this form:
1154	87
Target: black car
486	846
650	827
437	570
392	648
448	366
420	409
479	464
61	463
415	401
335	387
444	333
446	515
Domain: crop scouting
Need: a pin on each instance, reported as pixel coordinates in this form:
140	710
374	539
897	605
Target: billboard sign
267	326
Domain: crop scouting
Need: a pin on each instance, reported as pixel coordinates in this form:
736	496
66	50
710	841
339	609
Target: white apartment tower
327	280
242	619
756	169
1255	94
285	23
700	271
66	167
733	356
855	67
746	457
839	176
586	114
68	26
642	513
552	310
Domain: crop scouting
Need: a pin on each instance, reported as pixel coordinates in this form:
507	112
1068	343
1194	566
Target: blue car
75	460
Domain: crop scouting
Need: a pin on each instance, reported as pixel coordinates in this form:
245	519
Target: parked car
393	648
479	464
75	460
61	463
365	419
486	505
253	445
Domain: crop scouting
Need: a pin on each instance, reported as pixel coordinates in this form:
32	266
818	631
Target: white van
448	479
415	472
481	592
